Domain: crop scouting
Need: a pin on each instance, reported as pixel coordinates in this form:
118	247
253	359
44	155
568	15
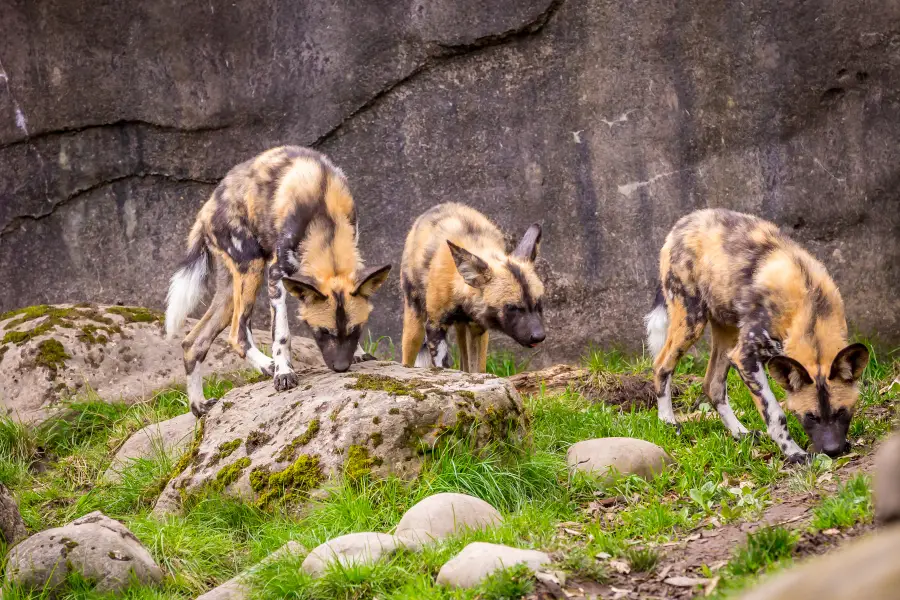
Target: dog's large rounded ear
303	287
849	364
474	271
530	244
789	374
370	280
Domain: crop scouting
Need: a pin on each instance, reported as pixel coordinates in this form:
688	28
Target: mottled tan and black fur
766	300
286	215
456	272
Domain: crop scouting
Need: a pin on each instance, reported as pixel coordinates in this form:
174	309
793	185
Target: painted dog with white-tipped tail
766	300
288	214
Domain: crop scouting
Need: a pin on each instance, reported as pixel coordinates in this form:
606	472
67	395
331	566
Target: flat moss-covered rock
378	418
49	352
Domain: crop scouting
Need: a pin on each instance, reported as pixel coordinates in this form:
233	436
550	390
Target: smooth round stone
613	457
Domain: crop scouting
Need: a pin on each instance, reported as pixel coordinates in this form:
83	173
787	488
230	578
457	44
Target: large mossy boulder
51	352
379	418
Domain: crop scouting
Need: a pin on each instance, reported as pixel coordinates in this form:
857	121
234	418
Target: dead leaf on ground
718	565
686	581
619	593
711	586
620	566
890	386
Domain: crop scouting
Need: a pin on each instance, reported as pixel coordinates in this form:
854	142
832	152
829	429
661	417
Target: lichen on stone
358	463
3	350
467	394
499	423
287	453
377	438
229	474
255	439
291	484
394	411
226	405
383	383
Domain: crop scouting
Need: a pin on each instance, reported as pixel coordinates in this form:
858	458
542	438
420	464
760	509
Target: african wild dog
287	213
766	299
456	271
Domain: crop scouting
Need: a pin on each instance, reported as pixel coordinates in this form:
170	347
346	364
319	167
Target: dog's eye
811	417
514	308
322	331
841	413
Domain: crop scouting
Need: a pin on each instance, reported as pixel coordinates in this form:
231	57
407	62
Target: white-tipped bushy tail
423	358
657	322
187	287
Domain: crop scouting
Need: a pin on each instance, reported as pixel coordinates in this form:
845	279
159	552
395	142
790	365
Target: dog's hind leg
198	342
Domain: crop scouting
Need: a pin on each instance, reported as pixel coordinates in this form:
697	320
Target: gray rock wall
605	119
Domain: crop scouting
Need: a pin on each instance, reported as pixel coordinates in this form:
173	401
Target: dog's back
730	265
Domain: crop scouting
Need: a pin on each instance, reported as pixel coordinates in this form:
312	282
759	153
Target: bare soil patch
682	560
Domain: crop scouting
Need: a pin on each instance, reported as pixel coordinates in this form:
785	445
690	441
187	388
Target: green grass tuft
642	560
851	504
763	549
507	584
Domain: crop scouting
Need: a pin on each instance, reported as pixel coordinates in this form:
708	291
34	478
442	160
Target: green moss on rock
394	411
467	394
292	484
259	479
20	337
358	463
225	450
287	453
55	317
51	355
377	438
136	314
3	350
28	313
383	383
190	456
228	475
91	334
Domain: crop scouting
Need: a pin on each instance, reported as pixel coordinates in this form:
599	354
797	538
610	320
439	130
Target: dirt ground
682	561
